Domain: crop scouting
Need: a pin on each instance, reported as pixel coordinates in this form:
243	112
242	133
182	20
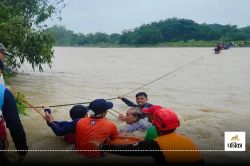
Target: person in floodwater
141	100
136	121
63	128
217	49
168	148
95	128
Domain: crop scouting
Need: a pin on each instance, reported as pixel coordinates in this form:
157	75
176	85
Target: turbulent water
210	96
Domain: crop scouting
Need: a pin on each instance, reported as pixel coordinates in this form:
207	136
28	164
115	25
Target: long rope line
31	106
113	114
62	105
171	72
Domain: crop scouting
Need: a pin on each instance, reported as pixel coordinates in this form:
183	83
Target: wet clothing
10	114
133	150
63	128
131	104
66	129
176	141
93	129
160	149
141	125
70	138
151	133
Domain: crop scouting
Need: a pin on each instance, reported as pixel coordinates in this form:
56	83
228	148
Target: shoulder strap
2	89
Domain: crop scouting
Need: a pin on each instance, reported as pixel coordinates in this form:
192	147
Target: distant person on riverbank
65	128
168	148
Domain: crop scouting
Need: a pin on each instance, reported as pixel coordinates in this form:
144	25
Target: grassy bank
189	43
21	107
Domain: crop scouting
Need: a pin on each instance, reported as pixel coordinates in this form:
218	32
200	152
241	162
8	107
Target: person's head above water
99	107
163	119
141	98
133	115
78	111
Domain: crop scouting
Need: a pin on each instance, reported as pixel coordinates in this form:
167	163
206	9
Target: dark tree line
170	30
22	30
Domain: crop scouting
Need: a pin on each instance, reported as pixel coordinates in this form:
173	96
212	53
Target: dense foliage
168	31
22	32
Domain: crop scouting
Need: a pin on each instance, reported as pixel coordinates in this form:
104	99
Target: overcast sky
114	16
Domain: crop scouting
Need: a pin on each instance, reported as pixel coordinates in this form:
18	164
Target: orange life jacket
90	129
171	143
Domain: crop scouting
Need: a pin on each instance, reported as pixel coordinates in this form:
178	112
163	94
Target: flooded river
210	96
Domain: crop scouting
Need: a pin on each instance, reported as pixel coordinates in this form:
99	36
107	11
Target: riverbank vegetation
172	32
21	107
23	32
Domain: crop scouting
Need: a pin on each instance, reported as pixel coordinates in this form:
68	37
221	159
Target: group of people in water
92	132
223	46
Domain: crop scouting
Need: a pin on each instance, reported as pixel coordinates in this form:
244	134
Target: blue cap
100	106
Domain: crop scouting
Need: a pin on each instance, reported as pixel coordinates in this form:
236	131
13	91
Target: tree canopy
170	30
23	33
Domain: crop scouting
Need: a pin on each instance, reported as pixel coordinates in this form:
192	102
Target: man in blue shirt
65	128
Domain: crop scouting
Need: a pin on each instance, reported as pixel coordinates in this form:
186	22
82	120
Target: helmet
165	119
151	109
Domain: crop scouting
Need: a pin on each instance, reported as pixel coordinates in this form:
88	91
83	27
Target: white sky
114	16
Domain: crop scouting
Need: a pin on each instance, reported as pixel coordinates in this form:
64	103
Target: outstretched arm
63	128
128	102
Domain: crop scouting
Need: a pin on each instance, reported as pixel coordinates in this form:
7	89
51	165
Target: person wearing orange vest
170	147
95	128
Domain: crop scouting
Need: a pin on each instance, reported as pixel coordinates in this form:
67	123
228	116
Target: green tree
61	35
23	33
114	38
149	35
